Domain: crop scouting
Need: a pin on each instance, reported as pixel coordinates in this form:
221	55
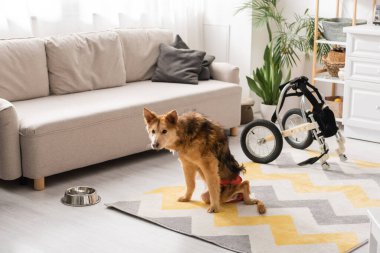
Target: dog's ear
171	117
149	116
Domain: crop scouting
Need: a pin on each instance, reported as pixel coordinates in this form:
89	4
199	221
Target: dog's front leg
210	172
189	171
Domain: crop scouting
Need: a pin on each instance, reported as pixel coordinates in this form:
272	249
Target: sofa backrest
23	71
141	51
32	67
85	61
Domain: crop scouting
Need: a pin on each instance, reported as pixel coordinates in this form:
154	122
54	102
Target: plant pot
267	111
333	28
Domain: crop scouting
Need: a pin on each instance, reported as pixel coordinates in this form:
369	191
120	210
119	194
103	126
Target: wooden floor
32	221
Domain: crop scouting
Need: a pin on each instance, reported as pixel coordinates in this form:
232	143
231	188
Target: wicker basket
333	66
336	56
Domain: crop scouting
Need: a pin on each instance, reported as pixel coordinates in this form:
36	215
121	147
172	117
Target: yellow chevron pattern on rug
302	183
282	226
171	194
283	229
367	165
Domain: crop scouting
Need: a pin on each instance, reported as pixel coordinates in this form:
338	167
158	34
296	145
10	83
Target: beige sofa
71	101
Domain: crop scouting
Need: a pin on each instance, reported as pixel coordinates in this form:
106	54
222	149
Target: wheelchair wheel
261	141
300	140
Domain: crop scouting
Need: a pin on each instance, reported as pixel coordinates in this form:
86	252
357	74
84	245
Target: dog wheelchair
262	141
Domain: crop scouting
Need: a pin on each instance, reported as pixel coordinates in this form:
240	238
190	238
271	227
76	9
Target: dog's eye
153	132
164	131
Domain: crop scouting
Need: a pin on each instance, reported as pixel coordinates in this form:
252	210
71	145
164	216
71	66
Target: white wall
236	48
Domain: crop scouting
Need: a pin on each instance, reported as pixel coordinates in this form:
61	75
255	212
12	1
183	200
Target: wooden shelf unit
321	75
315	71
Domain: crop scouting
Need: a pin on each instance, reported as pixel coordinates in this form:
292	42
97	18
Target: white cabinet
366	46
361	107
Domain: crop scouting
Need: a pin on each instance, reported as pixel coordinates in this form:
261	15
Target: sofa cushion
23	72
141	51
54	114
178	65
83	62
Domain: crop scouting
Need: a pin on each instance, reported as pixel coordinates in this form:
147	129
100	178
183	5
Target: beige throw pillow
82	62
141	51
23	72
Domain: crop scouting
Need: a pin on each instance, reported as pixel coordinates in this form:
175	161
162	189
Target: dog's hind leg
248	201
189	170
245	190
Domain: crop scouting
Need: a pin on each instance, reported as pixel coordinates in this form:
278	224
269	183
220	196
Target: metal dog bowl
80	196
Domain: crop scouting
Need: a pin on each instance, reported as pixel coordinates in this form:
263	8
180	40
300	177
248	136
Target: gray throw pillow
179	43
207	60
178	65
204	74
205	71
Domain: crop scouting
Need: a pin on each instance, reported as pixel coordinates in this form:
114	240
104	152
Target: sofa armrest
10	158
225	72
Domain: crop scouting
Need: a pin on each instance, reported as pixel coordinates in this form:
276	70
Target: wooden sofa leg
39	184
234	131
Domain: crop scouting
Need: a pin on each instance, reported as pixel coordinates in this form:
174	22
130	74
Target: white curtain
27	18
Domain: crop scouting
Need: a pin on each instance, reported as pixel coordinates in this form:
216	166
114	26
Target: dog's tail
229	161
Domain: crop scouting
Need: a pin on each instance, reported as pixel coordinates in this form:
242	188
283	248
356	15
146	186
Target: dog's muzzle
155	145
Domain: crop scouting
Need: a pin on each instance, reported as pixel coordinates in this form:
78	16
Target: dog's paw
183	199
261	208
213	209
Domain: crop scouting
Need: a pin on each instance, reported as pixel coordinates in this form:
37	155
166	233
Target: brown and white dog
202	147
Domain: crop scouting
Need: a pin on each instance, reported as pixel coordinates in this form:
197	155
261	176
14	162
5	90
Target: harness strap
238	197
313	159
302	84
298	94
235	181
315	90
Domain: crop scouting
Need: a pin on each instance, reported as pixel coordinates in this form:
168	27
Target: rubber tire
309	138
277	136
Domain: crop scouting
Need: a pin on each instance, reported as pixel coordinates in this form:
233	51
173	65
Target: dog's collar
235	181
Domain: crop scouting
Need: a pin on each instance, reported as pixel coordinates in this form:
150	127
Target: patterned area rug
308	209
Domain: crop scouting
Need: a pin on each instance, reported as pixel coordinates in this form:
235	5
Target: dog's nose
155	145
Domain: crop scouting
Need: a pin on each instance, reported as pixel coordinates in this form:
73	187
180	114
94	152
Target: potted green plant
266	80
286	41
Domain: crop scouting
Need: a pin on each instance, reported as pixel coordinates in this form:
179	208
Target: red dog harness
236	181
